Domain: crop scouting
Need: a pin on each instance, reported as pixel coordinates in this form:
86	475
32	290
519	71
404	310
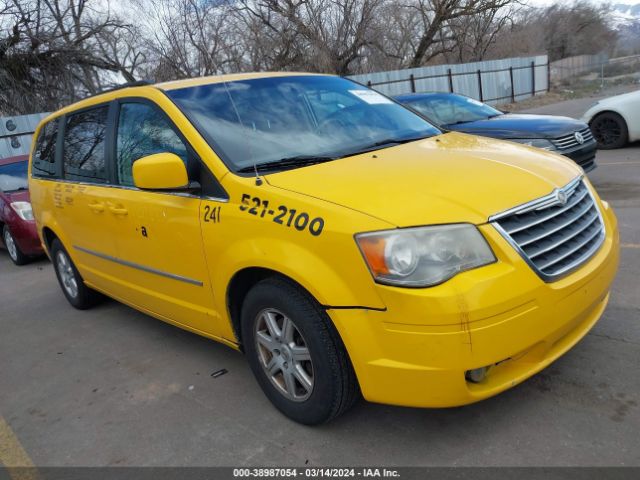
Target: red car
16	218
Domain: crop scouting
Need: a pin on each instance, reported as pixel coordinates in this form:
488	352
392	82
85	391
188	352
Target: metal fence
585	68
572	66
494	81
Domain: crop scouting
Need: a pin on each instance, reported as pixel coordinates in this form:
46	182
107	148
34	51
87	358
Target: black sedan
451	111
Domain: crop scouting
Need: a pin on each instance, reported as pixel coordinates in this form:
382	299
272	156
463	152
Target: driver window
143	130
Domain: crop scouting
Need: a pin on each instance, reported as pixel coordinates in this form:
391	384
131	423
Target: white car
615	121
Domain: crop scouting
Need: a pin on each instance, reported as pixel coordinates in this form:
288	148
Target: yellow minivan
340	241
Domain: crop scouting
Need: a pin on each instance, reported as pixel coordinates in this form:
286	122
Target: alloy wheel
284	355
607	131
11	245
67	275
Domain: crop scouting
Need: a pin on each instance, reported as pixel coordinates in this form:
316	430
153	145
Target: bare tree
437	35
331	35
561	30
53	52
187	38
576	29
476	34
50	52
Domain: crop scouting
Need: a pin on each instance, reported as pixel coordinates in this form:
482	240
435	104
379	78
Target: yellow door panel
83	216
160	254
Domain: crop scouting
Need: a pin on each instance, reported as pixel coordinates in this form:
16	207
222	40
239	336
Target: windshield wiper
295	161
304	160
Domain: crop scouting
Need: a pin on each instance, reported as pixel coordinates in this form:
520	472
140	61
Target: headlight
423	256
23	209
535	142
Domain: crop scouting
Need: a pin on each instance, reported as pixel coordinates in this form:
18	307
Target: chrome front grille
556	233
570	140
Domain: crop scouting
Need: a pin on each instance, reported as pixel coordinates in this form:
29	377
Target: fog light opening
476	375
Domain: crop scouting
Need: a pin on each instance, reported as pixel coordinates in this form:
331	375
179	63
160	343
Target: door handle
118	209
97	207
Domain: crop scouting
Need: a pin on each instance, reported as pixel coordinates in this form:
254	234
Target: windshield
449	109
13	176
295	118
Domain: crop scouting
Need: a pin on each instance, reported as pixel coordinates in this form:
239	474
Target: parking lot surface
111	386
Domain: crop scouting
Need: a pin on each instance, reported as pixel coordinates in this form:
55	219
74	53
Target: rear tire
15	254
296	354
610	130
71	282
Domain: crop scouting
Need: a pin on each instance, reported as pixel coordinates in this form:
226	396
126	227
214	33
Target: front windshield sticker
371	97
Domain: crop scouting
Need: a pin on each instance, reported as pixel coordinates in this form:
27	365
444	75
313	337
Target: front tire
296	354
15	254
610	130
71	282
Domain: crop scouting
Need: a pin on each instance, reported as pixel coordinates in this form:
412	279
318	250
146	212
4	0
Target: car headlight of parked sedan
535	142
423	256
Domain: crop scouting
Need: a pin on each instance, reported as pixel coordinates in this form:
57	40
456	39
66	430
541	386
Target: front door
158	235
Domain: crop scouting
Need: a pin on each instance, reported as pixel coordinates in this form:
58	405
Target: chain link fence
596	70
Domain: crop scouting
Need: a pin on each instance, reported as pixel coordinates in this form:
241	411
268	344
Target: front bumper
26	237
583	155
503	315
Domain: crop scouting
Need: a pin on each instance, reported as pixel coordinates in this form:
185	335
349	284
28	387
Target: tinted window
13	176
84	145
143	130
448	109
268	119
44	155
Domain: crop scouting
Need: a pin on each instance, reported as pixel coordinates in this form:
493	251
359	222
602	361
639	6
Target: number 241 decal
282	215
211	214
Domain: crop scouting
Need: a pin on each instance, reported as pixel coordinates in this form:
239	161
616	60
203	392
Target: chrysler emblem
579	138
561	197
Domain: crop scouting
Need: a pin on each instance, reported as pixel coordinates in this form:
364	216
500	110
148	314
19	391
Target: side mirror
161	171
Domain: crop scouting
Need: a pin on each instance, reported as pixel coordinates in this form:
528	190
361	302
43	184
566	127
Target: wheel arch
609	110
49	230
240	285
48	236
624	118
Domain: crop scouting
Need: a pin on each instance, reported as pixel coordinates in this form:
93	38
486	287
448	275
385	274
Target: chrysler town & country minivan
339	240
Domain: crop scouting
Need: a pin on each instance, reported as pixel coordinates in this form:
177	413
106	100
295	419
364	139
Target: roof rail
137	83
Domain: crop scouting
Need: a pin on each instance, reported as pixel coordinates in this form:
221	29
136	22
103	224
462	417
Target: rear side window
44	155
143	130
84	145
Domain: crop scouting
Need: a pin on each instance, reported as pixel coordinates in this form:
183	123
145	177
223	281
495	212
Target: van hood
450	178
